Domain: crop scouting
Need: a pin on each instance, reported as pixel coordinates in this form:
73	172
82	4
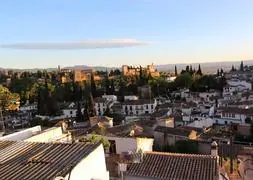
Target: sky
47	33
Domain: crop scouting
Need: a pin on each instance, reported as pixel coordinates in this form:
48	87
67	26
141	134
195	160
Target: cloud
113	43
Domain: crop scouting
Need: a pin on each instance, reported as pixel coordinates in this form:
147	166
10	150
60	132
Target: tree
199	71
186	146
233	69
112	89
99	139
175	70
184	80
107	85
8	101
93	86
221	72
187	69
79	114
221	83
86	112
191	70
40	102
241	66
218	72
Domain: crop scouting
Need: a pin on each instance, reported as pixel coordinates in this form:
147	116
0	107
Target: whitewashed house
139	107
28	107
101	104
227	115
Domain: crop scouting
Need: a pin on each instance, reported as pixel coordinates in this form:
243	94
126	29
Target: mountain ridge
210	67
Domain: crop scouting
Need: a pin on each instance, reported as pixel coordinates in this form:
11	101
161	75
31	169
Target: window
152	106
131	108
70	112
146	112
137	112
146	106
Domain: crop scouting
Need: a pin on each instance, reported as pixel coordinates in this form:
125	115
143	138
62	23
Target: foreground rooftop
175	166
32	160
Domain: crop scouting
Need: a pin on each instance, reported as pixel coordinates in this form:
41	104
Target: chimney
122	167
214	149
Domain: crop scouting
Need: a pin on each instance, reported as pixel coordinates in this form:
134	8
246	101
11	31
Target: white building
139	107
101	104
207	95
65	161
36	134
28	107
131	98
203	123
119	145
232	115
235	85
110	97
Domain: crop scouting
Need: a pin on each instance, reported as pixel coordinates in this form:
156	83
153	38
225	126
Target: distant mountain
208	67
95	68
75	67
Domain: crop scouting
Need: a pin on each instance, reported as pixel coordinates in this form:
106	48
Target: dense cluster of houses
145	125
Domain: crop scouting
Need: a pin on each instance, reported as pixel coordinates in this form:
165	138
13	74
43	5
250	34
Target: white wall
69	113
124	144
145	144
139	109
102	108
186	111
22	135
131	98
223	121
49	135
28	107
208	122
91	167
110	97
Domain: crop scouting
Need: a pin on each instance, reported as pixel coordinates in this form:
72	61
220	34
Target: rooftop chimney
214	149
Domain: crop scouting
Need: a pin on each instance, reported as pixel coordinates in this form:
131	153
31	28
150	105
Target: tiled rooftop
174	131
138	102
175	166
28	160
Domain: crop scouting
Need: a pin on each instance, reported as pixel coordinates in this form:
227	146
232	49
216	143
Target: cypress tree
175	70
112	87
93	86
187	69
79	115
199	72
241	66
218	72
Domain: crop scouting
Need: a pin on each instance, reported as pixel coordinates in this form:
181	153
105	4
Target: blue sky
179	31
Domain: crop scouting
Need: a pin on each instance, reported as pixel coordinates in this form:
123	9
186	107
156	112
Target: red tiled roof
175	166
29	160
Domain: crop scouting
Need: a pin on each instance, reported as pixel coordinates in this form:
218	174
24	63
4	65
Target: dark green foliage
93	87
241	66
184	80
112	87
79	114
176	71
199	71
181	146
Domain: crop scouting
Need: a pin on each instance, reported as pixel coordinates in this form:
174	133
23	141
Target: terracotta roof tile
175	166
